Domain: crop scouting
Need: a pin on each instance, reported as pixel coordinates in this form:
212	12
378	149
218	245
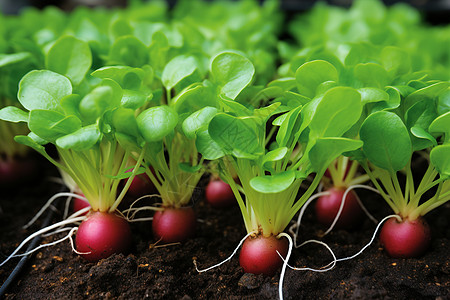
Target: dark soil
155	272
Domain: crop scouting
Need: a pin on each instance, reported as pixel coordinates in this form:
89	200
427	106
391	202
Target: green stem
234	187
409	186
129	181
381	190
399	198
306	195
427	205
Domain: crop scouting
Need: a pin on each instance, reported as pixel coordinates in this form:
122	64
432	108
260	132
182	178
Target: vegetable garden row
129	103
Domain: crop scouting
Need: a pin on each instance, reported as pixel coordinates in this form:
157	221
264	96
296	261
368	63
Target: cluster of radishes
144	116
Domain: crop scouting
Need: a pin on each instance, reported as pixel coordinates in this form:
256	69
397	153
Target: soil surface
167	272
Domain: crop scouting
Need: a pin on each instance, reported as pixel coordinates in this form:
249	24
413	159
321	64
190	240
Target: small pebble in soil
251	281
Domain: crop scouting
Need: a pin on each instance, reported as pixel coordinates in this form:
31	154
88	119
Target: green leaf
325	150
177	69
127	142
133	99
43	90
444	102
82	139
71	57
395	60
70	105
293	100
420	115
264	113
129	51
234	108
289	127
275	155
440	158
207	146
13	114
386	141
267	94
430	93
336	112
185	167
441	125
372	75
127	77
195	97
392	102
269	184
104	97
124	121
232	72
198	120
9	59
50	125
422	139
126	174
37	139
234	135
286	83
155	123
311	74
28	141
120	27
370	94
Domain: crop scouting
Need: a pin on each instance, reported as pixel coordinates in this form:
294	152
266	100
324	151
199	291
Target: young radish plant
340	176
170	156
218	193
381	79
308	138
418	125
78	125
388	149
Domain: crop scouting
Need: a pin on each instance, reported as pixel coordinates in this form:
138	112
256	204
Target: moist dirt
155	271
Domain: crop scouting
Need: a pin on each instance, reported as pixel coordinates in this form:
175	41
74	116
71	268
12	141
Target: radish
174	224
259	254
405	239
327	207
79	204
101	235
219	194
341	174
141	185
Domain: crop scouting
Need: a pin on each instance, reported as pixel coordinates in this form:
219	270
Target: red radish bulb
101	235
141	185
327	208
406	239
219	194
259	254
78	204
173	225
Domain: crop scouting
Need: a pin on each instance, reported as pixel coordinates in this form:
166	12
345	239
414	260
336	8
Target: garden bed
154	272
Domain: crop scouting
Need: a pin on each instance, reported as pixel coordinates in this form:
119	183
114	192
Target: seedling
162	135
307	140
387	151
79	127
